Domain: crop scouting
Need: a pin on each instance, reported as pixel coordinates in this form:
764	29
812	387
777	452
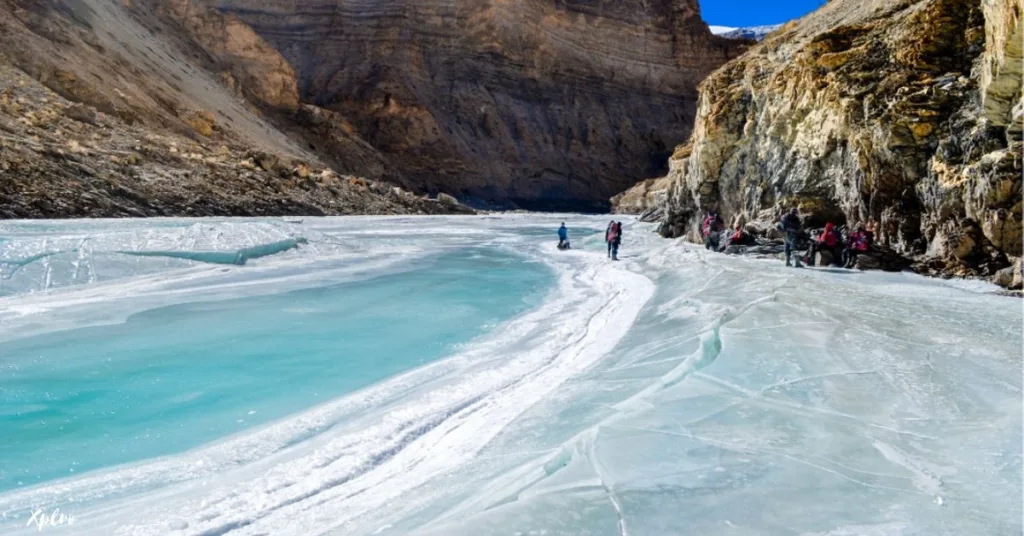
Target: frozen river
461	376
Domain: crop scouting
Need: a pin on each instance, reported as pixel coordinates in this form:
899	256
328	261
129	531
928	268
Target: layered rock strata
537	103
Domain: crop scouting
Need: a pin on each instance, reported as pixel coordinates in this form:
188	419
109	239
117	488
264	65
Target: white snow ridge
756	33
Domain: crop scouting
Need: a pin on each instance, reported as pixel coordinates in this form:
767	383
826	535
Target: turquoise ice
176	377
674	392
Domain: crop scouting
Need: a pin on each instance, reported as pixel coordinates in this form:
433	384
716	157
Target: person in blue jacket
563	237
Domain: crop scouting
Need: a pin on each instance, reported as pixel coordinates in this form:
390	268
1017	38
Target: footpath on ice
673	392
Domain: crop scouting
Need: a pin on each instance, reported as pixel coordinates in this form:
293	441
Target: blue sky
755	12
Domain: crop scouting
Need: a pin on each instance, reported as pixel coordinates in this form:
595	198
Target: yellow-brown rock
201	121
901	111
255	67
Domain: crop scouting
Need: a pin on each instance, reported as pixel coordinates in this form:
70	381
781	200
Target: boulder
201	121
1004	277
867	261
824	258
1009	277
81	113
266	161
883	259
652	215
447	200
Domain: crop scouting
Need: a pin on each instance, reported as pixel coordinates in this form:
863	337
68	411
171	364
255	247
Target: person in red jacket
856	244
608	237
738	237
616	239
830	240
711	228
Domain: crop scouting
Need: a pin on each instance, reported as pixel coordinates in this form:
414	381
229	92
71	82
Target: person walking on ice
615	239
790	225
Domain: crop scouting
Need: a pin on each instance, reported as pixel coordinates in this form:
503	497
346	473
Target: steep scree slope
108	109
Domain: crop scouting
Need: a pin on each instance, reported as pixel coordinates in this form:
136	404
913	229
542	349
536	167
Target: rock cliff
907	112
534	104
538	103
109	109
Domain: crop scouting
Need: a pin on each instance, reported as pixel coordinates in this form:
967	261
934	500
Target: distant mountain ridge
756	33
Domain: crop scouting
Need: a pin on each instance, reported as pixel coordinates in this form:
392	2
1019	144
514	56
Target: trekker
616	240
739	237
856	244
608	236
563	237
712	229
790	225
830	241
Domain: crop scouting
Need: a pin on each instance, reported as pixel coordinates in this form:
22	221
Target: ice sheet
674	392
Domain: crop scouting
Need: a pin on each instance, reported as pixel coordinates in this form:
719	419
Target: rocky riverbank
903	112
764	240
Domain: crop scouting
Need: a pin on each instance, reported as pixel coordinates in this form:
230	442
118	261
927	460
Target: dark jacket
713	223
791	223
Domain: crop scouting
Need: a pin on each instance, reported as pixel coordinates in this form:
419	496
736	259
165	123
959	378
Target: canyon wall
541	104
902	111
530	103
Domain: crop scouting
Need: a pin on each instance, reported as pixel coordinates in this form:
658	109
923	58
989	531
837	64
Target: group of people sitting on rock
712	231
838	251
827	248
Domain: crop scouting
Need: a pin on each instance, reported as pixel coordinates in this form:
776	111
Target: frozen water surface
517	390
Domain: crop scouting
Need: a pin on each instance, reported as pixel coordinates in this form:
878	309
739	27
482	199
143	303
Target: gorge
537	105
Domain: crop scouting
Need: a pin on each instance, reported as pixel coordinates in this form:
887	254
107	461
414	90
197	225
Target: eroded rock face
1003	64
245	61
544	104
897	111
641	198
107	111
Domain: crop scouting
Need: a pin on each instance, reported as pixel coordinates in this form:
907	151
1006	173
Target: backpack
830	239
